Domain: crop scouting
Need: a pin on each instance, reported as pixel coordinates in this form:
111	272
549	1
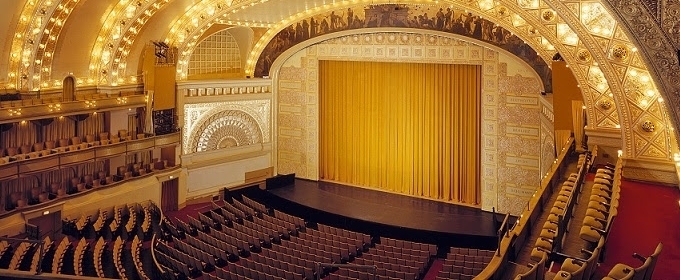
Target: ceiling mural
440	18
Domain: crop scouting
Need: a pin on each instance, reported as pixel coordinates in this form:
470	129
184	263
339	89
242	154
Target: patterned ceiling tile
660	140
574	8
619	34
603	43
620	70
636	60
653	152
655	111
635	112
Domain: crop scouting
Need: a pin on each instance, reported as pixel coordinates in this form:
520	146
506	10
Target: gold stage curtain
408	128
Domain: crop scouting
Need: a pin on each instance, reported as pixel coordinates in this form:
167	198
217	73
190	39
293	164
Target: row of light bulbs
118	34
32	49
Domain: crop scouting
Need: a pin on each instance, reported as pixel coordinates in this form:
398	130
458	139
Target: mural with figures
430	17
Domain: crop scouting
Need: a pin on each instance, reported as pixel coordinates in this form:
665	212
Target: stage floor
388	209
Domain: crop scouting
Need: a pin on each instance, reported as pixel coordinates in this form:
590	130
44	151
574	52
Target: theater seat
563	275
603	176
644	271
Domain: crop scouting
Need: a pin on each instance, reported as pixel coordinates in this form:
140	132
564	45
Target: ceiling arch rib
545	21
637	95
570	16
33	46
117	35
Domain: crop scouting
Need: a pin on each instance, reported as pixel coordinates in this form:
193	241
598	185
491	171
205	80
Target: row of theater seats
76	143
126	221
553	232
595	225
78	255
247	240
97	255
80	183
59	254
14	256
464	263
82	257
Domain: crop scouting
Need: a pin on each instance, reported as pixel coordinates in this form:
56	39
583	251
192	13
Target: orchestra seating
464	263
244	239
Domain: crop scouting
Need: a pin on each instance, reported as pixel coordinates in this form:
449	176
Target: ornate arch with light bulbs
594	37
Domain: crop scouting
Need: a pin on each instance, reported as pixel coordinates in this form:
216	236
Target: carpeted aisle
437	265
648	214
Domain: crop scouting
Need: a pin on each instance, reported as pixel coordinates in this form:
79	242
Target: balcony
24	196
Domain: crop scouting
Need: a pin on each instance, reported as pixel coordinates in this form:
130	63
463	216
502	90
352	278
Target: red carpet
189	210
437	265
648	214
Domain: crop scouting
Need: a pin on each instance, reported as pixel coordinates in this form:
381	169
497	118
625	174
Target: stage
385	214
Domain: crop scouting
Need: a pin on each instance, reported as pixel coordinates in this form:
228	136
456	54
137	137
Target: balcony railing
20	166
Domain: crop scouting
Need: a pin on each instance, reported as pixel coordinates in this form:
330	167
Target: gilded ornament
584	55
502	11
648	126
605	104
620	52
548	15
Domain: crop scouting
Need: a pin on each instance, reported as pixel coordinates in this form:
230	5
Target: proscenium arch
484	31
286	55
523	31
443	41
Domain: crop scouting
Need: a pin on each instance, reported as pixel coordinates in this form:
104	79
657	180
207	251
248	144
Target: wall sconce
54	107
121	100
90	103
14	112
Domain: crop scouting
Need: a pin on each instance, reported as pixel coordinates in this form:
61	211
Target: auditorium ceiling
622	52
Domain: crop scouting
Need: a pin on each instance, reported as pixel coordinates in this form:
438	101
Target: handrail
501	233
521	230
153	241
